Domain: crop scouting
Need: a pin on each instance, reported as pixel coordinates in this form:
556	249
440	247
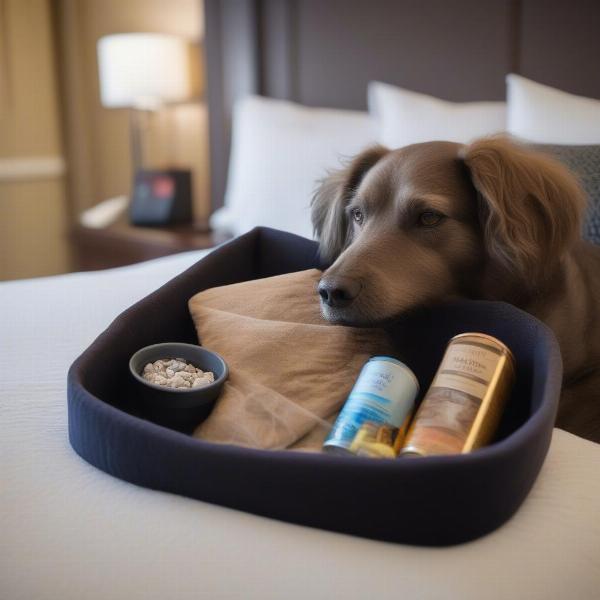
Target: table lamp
143	72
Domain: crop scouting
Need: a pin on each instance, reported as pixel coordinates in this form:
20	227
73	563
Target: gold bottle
464	403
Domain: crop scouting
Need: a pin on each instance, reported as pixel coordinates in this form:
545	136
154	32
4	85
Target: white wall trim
31	167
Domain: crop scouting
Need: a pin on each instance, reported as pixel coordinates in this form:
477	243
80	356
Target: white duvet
69	531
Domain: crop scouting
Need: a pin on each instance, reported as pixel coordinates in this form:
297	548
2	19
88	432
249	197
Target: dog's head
431	221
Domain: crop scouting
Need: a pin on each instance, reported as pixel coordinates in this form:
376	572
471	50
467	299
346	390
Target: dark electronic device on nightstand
161	198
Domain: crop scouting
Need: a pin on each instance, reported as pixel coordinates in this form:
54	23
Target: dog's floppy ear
531	206
331	198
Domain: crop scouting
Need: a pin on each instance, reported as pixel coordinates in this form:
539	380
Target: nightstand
123	244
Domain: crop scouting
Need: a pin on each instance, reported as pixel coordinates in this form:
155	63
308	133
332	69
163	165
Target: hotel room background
62	152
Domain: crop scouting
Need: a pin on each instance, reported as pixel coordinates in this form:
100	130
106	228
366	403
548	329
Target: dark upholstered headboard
324	52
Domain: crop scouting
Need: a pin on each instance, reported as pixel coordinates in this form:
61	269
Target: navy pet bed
428	501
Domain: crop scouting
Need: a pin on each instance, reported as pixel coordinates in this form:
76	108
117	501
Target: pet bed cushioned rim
435	501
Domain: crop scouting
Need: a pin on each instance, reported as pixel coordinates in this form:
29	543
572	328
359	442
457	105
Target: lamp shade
142	70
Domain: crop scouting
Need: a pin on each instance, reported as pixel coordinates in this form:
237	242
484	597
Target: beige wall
97	139
32	229
32	197
50	110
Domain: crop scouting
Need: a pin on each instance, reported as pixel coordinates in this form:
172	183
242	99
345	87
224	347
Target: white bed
70	531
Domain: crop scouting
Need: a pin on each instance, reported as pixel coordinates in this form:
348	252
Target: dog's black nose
338	292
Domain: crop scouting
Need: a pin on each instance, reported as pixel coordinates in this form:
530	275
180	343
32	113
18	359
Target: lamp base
161	197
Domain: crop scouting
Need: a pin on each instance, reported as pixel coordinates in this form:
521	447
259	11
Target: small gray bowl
181	409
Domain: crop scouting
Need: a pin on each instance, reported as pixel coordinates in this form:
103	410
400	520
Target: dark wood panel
560	44
122	244
232	71
277	49
456	50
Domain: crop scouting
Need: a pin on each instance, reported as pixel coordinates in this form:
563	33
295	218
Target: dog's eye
429	218
357	215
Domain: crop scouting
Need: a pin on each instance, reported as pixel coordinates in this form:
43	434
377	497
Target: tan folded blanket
290	370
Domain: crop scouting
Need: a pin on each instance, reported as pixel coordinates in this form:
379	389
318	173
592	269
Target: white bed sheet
69	531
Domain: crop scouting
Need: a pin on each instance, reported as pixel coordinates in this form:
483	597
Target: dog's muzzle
338	292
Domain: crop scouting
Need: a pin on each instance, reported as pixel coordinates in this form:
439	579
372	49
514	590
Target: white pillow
542	114
279	151
405	117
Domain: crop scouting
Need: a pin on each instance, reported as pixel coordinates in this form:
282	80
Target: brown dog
492	220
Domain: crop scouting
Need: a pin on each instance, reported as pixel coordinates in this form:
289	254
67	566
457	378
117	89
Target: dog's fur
506	226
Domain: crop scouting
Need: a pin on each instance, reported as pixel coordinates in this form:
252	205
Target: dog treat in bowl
177	392
176	373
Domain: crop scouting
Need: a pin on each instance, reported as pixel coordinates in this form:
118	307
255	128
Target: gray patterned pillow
584	161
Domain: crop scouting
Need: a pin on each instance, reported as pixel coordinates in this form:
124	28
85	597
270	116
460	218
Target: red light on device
163	187
161	198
